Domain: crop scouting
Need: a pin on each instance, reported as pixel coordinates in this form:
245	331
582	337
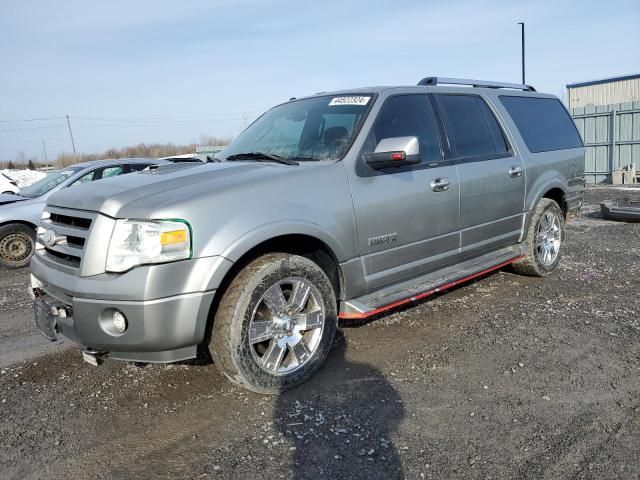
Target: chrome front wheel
286	326
275	323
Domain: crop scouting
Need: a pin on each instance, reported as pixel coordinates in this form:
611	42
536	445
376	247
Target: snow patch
24	178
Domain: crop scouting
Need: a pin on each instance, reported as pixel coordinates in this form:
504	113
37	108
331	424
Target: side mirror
395	152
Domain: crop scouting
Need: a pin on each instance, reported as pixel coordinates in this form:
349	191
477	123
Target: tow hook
93	356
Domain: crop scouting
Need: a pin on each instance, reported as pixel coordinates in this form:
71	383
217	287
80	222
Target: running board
426	285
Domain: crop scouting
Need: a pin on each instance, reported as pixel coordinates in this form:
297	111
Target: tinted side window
543	123
471	126
136	167
89	177
112	171
407	116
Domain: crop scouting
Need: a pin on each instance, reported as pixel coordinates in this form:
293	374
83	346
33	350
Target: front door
405	225
492	178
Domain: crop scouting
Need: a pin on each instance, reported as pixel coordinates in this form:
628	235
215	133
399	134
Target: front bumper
165	321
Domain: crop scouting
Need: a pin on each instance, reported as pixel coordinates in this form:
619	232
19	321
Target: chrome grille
63	234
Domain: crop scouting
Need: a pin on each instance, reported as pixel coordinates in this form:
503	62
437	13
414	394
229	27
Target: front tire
17	244
275	323
544	240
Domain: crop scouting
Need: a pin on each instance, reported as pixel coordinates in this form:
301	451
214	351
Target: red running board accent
420	296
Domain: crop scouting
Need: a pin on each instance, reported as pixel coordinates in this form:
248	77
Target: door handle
440	184
515	171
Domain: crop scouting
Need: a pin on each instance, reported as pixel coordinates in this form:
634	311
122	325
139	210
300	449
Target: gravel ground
507	377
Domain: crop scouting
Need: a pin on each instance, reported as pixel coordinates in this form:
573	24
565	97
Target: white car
7	184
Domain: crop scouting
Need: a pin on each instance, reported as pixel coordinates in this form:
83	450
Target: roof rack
474	83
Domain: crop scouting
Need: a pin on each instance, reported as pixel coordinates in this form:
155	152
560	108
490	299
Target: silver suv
338	205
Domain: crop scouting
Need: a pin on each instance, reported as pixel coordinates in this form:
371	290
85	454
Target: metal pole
73	144
614	137
522	30
44	149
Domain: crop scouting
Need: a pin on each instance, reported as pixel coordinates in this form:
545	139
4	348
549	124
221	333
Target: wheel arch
554	191
19	222
317	246
559	196
551	184
303	244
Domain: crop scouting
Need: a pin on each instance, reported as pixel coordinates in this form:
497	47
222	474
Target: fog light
119	321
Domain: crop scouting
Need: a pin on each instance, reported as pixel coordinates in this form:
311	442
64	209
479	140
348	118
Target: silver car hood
137	195
6	198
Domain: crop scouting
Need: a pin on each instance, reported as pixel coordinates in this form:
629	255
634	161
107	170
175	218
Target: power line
175	124
32	119
31	128
177	118
171	118
34	140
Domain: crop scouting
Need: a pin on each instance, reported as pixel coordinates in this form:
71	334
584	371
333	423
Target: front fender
255	237
25	214
271	230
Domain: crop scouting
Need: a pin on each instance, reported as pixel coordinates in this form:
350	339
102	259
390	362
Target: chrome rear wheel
549	237
543	244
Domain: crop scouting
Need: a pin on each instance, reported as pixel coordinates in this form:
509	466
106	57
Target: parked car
338	205
20	213
8	185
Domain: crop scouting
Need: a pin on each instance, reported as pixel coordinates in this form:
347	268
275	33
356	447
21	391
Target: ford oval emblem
49	238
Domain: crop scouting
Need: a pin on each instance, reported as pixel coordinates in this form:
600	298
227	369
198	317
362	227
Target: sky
170	71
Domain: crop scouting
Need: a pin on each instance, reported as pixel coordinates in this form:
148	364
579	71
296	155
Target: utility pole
73	144
44	149
522	30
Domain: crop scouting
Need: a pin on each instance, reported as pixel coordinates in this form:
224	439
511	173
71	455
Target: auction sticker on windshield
349	101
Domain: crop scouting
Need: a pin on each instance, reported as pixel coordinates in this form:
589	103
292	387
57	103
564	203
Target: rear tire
544	241
17	245
275	323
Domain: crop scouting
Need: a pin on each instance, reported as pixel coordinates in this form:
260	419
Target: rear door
405	226
491	174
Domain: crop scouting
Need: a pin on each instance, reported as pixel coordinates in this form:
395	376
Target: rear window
543	123
471	127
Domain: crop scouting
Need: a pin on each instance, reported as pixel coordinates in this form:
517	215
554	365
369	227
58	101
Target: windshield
47	183
320	128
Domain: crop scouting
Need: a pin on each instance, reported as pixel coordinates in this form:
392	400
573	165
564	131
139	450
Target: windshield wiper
261	157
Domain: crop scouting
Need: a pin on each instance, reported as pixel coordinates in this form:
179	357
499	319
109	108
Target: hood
6	198
136	195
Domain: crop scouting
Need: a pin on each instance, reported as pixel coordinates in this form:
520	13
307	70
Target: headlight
138	242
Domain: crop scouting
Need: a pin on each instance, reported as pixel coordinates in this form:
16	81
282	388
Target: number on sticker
349	101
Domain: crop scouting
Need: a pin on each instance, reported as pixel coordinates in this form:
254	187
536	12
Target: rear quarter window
543	123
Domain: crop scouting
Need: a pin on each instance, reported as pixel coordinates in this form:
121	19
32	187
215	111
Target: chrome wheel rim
548	239
15	247
286	326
